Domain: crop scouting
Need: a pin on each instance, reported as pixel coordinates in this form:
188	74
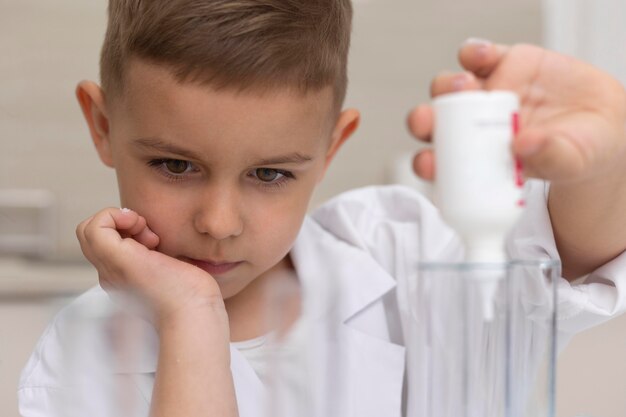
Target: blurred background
51	179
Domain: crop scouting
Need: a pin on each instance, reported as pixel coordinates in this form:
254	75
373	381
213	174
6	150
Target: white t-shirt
264	353
259	353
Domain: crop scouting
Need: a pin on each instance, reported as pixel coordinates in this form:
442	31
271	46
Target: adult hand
572	115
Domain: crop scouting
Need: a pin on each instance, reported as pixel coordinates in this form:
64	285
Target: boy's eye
173	168
267	174
176	166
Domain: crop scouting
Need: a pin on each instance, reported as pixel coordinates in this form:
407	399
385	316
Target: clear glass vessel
305	375
462	362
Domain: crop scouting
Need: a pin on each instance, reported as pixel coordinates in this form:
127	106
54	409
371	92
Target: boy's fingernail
125	210
477	41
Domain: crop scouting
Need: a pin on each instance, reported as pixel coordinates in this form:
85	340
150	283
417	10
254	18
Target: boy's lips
212	267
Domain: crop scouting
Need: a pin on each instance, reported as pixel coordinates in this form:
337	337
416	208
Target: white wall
592	30
45	49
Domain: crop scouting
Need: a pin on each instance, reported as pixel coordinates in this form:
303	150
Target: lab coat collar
339	276
342	282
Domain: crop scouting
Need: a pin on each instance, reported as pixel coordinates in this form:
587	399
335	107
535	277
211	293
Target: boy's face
223	178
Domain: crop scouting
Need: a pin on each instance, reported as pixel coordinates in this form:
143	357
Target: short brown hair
240	44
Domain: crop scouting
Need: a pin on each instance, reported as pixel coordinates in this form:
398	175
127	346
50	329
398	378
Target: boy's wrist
196	319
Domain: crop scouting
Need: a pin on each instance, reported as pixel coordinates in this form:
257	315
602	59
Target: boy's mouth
212	267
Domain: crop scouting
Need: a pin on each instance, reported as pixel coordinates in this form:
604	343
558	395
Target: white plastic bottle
478	183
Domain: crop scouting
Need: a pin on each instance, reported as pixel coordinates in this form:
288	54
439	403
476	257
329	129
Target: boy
220	117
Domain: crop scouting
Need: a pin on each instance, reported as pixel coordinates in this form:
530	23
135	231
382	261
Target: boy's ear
346	125
91	100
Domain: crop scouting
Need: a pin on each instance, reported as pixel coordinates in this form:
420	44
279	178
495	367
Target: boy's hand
185	305
121	246
572	116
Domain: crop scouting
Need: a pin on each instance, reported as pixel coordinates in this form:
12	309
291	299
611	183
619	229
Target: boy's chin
229	288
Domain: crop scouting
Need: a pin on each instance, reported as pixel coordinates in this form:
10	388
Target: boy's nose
219	214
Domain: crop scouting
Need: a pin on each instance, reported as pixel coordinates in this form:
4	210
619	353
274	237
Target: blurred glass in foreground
463	364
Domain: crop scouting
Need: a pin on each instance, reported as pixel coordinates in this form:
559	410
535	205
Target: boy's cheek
162	217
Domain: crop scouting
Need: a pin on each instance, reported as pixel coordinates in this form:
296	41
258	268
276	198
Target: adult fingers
480	56
452	82
420	119
424	165
420	122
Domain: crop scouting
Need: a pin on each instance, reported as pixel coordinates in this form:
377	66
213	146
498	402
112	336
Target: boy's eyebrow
292	158
160	145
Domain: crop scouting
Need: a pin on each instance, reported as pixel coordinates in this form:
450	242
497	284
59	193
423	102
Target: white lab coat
365	240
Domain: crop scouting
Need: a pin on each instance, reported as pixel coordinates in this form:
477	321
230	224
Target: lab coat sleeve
395	224
71	373
600	296
54	401
40	392
40	402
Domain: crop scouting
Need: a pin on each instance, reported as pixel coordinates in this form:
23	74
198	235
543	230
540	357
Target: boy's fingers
108	238
420	122
82	240
127	222
147	238
448	82
102	234
139	231
135	228
113	221
103	221
480	56
424	165
80	229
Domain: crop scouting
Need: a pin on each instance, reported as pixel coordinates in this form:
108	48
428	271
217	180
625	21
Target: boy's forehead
155	105
156	84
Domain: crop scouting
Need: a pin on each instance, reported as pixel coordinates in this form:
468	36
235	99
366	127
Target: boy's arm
572	133
193	375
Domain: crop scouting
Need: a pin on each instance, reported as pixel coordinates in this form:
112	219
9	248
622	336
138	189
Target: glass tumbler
305	376
482	340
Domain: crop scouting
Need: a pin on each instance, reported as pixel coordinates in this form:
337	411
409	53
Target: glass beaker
305	376
482	340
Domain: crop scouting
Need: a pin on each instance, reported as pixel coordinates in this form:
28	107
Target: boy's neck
249	312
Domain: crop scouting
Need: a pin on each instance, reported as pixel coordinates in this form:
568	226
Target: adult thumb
549	155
